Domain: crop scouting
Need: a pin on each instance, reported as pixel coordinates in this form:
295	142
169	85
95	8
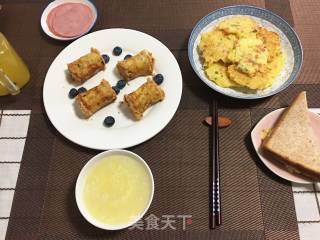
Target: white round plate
267	122
53	4
126	131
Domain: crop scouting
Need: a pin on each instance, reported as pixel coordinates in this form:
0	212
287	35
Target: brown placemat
255	203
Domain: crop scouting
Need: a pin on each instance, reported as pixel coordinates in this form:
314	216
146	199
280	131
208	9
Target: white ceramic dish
80	186
268	122
126	131
290	45
53	4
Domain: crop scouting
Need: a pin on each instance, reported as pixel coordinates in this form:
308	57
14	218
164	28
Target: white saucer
56	3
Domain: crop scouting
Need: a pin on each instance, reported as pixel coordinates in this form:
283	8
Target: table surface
256	204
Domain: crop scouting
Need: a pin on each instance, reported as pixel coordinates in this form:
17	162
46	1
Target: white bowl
52	5
80	187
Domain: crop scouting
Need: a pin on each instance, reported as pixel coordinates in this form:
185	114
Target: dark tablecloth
255	203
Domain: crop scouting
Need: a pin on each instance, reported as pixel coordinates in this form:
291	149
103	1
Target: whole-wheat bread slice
293	142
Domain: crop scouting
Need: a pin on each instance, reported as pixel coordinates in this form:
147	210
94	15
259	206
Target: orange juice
12	68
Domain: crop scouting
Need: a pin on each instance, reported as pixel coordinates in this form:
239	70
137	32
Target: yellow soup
117	189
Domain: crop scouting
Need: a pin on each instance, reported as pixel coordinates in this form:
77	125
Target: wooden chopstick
215	185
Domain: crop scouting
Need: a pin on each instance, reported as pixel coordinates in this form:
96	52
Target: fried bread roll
86	66
145	96
141	64
96	98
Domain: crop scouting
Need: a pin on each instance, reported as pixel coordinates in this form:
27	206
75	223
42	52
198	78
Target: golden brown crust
271	41
145	96
141	64
96	98
84	109
86	66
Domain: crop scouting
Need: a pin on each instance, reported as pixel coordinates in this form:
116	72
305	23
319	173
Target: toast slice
293	142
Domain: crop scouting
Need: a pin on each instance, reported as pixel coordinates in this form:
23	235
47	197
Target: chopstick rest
223	122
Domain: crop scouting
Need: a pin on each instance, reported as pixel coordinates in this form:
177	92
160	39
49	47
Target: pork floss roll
95	98
141	64
145	96
86	66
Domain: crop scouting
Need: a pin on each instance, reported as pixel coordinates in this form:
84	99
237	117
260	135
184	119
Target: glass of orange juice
14	74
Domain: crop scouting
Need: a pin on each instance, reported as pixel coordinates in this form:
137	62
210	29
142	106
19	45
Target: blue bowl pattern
260	13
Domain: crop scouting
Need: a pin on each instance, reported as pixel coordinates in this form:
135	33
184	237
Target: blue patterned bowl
290	44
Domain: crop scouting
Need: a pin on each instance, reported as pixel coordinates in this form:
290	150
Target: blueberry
109	121
127	56
82	90
73	93
106	58
158	78
116	89
117	51
121	84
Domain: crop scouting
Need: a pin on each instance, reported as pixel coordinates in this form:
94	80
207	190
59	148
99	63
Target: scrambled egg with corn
240	53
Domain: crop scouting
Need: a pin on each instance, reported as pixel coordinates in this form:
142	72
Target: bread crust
142	64
86	66
96	98
144	97
280	121
271	149
289	165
